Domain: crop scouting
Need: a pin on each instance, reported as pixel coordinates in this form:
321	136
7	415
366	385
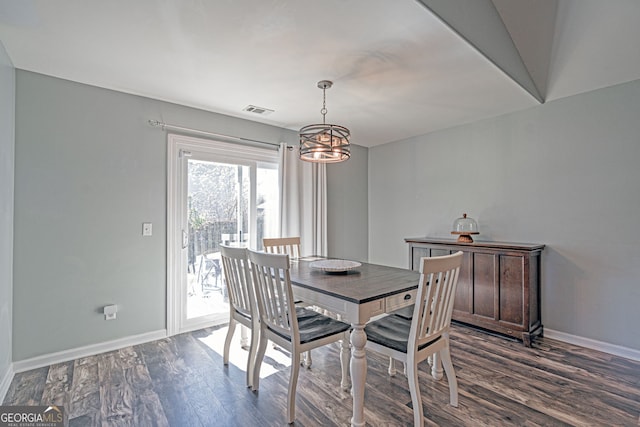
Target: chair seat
404	312
393	332
314	326
242	314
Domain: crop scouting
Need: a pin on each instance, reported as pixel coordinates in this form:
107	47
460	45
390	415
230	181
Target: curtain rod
165	126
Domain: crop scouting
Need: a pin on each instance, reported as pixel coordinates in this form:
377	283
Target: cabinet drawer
404	299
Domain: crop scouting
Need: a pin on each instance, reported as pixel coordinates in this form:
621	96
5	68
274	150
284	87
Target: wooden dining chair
242	306
291	247
426	333
293	328
283	245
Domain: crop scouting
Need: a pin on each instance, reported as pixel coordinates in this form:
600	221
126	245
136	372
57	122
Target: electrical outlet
110	312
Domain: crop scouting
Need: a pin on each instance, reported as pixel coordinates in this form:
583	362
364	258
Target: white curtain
303	201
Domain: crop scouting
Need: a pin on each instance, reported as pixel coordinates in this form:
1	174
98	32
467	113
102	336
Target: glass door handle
185	239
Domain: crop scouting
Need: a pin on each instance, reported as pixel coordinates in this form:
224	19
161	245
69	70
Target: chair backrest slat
238	279
434	302
283	245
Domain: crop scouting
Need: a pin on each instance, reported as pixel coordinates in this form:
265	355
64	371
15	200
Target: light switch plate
147	229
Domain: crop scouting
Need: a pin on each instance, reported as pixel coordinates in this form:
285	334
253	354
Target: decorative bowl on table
335	265
464	227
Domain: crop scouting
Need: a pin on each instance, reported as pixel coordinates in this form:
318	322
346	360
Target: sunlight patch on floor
276	359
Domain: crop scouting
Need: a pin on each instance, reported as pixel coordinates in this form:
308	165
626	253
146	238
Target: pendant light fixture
324	143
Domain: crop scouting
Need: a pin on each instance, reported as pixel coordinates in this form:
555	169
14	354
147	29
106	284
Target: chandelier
324	143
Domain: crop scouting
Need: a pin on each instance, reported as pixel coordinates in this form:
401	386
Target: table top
366	283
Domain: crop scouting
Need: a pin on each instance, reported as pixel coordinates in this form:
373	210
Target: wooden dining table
355	295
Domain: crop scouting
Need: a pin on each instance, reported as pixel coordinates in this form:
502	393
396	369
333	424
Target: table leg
436	366
358	372
244	338
345	357
392	367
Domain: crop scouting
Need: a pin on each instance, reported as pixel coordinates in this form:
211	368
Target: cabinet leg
527	337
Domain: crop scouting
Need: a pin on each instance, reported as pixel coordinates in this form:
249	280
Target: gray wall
564	174
347	215
89	171
7	120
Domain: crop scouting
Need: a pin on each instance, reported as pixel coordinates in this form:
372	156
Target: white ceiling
400	68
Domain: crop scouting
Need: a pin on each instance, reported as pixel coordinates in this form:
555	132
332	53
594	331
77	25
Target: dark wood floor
181	381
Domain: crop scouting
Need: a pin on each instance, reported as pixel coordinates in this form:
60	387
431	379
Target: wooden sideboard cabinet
498	287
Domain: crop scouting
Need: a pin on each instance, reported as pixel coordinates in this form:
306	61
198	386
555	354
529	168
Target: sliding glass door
223	195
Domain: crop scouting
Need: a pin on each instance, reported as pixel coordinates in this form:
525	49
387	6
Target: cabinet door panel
416	254
464	289
511	289
484	289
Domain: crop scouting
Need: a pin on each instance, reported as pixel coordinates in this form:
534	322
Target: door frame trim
173	223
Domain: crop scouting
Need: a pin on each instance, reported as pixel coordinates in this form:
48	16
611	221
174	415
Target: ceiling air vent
257	110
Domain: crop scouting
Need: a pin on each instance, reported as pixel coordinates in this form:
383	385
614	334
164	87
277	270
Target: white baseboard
605	347
89	350
6	382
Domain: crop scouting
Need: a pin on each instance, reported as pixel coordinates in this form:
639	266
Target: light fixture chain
324	105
